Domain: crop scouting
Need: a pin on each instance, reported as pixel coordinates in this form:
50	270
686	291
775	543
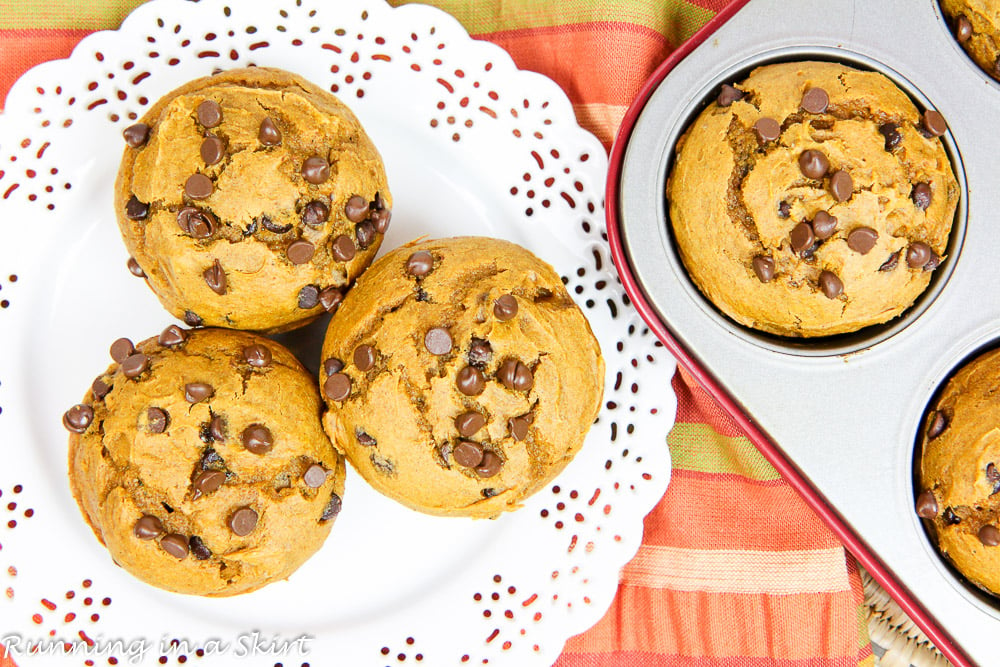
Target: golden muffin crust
250	199
460	376
812	199
976	25
199	460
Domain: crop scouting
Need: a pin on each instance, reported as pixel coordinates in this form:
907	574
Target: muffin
976	24
960	472
199	460
812	199
250	200
459	376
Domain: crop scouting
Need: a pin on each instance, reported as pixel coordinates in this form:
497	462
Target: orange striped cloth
734	569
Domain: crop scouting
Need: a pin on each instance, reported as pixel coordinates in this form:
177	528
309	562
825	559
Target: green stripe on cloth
696	447
674	19
63	14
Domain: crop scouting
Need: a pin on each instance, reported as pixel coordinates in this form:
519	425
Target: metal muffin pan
839	417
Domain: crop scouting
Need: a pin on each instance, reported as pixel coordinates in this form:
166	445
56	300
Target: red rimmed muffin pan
840	416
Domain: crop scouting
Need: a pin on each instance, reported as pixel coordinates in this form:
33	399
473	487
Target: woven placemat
896	640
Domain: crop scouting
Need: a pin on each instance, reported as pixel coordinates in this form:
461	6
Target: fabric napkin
734	569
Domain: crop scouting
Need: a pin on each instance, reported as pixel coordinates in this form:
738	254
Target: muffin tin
840	416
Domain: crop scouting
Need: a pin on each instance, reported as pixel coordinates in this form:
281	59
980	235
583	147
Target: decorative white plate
472	145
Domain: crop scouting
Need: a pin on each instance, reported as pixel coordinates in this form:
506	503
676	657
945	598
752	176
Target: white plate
472	146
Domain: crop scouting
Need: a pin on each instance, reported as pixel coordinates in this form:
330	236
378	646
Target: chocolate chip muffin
976	25
250	200
812	199
459	376
199	460
959	491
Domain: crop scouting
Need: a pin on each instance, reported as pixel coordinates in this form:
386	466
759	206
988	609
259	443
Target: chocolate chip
824	225
332	365
470	381
148	527
933	122
438	341
950	518
989	536
198	186
337	387
927	507
468	423
343	248
937	425
813	164
918	254
467	453
766	129
315	169
364	357
862	240
489	466
842	185
196	222
488	492
172	336
209	113
505	307
134	365
480	353
176	545
933	262
78	418
891	263
257	355
257	439
206	482
315	213
217	428
963	29
135	209
422	295
100	388
268	134
300	252
830	284
380	219
815	100
212	150
784	209
802	237
356	208
420	263
332	508
205	433
210	458
196	392
157	420
242	521
727	95
364	439
892	136
215	278
365	234
308	297
514	375
134	268
519	426
120	349
136	135
314	476
273	227
763	268
330	298
198	548
921	195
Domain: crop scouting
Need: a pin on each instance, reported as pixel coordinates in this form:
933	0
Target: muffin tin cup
839	417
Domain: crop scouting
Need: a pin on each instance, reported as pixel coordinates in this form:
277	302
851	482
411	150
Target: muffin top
812	199
959	493
199	460
976	25
460	376
250	199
